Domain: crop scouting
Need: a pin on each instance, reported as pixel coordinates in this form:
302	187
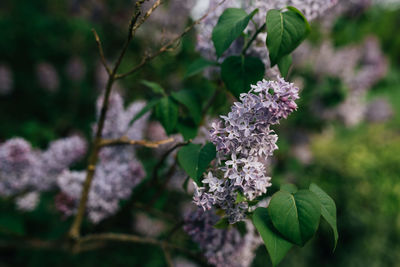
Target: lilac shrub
242	138
118	170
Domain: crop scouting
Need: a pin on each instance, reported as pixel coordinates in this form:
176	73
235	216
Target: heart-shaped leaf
284	65
167	113
195	159
238	73
328	209
276	245
285	31
230	26
295	216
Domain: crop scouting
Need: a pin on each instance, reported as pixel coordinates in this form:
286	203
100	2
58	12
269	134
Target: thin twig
131	239
167	255
101	52
146	16
126	141
253	38
164	157
167	47
74	231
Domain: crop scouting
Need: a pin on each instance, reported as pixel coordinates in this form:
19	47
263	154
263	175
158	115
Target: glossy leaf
150	105
230	26
155	87
189	100
328	209
284	65
198	66
206	155
167	114
295	216
238	73
195	159
277	246
285	31
188	158
291	188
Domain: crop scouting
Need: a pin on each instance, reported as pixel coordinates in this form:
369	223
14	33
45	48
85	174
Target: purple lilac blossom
221	247
243	139
118	170
28	202
24	170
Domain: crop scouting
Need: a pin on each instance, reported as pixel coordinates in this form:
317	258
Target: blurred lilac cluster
24	170
360	67
118	170
221	247
243	139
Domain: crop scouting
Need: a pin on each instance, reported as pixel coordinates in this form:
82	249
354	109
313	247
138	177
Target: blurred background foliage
358	166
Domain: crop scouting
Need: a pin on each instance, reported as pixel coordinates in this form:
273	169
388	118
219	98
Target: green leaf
187	129
276	245
222	224
295	216
230	26
284	65
188	158
167	114
206	155
12	224
145	109
189	100
195	159
155	87
198	66
285	31
328	209
238	73
240	198
291	188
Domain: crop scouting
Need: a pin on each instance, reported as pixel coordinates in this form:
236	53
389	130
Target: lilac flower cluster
243	139
222	248
118	170
26	170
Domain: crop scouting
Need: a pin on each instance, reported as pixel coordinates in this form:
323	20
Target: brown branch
101	52
167	255
74	231
115	237
126	141
167	47
146	16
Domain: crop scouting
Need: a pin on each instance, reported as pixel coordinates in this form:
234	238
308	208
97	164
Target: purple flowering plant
247	46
